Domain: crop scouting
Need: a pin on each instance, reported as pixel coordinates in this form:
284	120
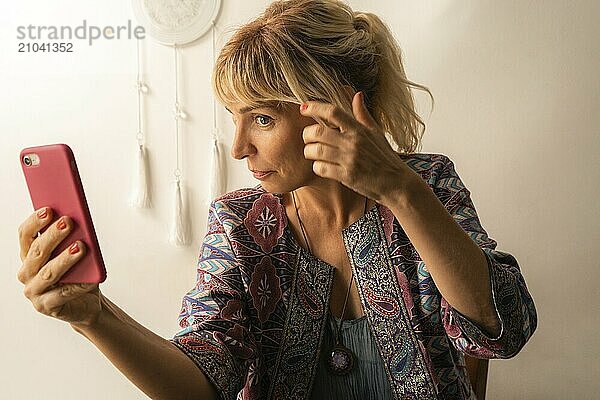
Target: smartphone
53	181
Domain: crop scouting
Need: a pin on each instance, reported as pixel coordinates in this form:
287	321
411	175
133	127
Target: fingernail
61	224
303	107
43	213
362	97
74	248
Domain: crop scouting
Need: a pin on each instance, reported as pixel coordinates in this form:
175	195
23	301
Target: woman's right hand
78	304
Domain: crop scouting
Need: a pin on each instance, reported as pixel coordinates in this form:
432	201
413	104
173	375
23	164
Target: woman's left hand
353	150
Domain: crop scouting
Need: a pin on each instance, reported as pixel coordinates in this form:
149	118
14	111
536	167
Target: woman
354	269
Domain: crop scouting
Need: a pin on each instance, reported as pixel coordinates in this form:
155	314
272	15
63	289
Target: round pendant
341	360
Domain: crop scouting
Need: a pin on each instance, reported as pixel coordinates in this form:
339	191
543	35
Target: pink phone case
54	182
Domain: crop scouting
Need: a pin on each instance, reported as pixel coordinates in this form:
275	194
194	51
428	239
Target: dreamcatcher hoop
176	22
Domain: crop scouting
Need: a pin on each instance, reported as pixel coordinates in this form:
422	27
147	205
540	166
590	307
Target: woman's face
270	139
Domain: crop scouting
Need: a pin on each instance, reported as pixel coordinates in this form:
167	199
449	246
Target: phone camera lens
27	161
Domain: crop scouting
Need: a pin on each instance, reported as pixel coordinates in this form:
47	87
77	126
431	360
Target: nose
242	146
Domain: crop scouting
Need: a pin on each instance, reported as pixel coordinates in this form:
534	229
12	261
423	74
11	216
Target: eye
263	120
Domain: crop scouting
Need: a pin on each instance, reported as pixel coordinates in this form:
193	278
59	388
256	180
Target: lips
260	174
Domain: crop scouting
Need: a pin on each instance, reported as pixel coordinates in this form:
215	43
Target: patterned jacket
254	321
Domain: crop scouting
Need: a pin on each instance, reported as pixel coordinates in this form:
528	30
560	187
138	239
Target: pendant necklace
340	360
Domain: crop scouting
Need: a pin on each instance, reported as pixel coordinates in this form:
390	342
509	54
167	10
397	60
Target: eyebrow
250	108
243	110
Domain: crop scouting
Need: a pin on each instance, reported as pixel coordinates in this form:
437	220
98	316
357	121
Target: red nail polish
43	213
74	248
303	107
61	224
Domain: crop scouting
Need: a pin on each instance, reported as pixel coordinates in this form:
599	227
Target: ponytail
391	100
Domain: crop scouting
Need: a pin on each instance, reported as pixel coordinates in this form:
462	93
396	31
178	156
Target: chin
278	186
275	189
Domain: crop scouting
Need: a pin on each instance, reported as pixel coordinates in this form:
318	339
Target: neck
330	202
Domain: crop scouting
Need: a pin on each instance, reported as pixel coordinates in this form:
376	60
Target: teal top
367	380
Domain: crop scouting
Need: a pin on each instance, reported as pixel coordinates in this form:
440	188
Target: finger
361	112
330	170
52	271
321	133
320	151
42	247
328	114
30	228
56	302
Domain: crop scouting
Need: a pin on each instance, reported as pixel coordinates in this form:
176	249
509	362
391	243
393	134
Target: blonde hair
301	50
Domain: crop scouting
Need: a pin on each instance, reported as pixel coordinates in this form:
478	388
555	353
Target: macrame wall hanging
177	23
141	192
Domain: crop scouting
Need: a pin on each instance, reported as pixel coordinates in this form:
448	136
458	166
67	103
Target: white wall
516	92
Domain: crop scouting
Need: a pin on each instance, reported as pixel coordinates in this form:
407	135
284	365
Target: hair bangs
247	72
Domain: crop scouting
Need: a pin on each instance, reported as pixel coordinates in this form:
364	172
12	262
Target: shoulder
440	174
432	167
252	210
238	199
420	162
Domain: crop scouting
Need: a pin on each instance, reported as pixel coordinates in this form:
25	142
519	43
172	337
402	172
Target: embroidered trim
214	361
381	296
298	358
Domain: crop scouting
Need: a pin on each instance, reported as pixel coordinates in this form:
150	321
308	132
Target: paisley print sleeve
213	315
514	305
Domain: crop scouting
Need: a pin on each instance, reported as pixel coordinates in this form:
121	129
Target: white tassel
180	230
140	197
218	176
